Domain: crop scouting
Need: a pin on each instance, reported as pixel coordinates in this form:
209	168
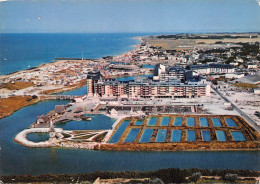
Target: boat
64	120
86	118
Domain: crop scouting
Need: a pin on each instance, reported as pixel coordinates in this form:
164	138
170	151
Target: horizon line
164	32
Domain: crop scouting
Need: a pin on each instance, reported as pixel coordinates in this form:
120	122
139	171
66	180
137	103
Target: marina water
17	159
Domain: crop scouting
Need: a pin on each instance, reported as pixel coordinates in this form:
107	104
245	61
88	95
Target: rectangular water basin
205	135
165	121
216	122
146	135
221	135
161	135
119	132
190	121
138	122
238	136
230	122
132	135
152	121
191	135
204	122
176	136
177	121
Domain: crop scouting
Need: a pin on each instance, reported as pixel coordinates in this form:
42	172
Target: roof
127	67
59	109
122	108
211	66
44	117
108	99
250	79
95	75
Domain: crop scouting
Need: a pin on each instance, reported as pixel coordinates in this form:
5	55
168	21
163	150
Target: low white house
252	66
234	75
257	91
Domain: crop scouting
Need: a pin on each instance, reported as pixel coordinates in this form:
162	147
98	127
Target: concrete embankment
21	137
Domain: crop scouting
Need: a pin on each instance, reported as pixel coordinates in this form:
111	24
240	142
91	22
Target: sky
117	16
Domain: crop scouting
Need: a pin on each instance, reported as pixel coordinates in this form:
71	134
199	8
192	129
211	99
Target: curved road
244	115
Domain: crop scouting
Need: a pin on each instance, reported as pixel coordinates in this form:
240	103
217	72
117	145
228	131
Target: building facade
213	69
144	87
167	82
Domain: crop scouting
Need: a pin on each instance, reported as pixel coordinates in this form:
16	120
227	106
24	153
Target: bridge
59	97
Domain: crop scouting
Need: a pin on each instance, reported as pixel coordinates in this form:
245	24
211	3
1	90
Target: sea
22	50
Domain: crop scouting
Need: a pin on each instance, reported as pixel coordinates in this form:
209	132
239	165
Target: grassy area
74	86
14	103
194	146
16	85
245	85
178	44
66	135
170	175
100	137
84	137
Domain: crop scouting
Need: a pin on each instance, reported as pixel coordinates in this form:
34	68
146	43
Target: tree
229	60
215	82
34	96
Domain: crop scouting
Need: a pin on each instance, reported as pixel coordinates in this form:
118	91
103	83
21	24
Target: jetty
21	137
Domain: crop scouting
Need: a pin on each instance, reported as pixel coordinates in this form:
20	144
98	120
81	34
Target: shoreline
59	89
140	38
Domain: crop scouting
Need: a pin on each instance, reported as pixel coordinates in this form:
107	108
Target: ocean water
22	51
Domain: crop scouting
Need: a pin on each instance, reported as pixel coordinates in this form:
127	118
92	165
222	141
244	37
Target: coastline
59	89
133	146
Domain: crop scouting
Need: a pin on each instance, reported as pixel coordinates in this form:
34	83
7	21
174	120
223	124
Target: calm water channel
17	159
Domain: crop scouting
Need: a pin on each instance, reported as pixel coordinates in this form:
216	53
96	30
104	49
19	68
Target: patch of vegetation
205	61
84	137
229	60
249	49
171	175
100	137
14	103
245	85
194	36
16	85
66	135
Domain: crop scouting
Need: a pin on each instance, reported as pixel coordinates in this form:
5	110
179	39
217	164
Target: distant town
168	93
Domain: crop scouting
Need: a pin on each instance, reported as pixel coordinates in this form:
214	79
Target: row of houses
212	69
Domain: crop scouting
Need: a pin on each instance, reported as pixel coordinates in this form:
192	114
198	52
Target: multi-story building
92	79
212	69
167	82
143	87
171	74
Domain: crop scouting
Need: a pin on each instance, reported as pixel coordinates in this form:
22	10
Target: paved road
244	115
